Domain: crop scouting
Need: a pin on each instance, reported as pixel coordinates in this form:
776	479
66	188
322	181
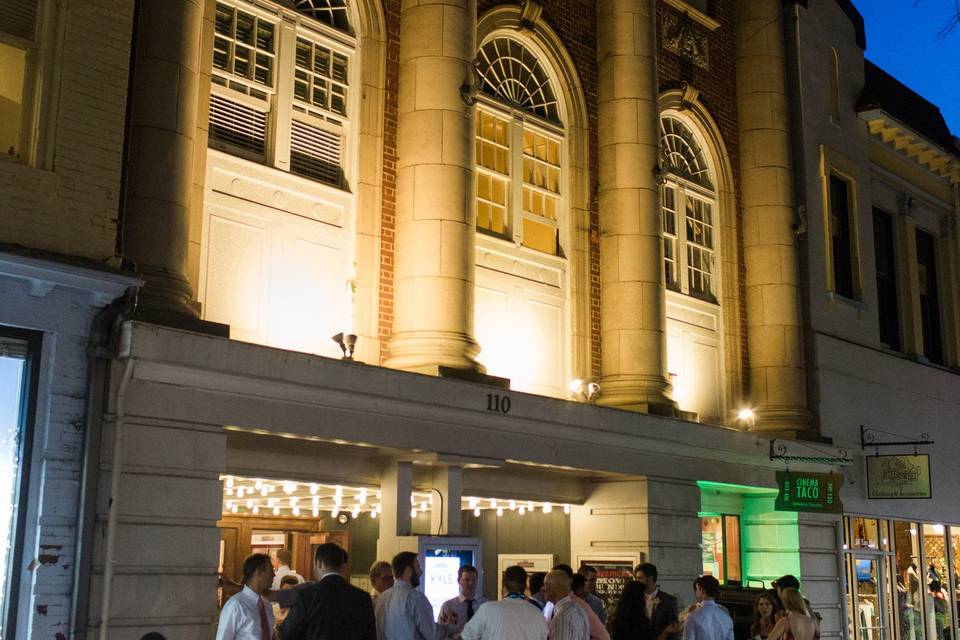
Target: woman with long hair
798	624
629	620
765	610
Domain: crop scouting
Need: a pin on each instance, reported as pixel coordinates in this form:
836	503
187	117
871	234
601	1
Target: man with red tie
248	615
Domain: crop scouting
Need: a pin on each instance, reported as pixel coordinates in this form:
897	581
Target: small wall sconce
746	418
347	343
584	391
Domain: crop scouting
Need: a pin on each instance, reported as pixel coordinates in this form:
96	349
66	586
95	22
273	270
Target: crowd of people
558	605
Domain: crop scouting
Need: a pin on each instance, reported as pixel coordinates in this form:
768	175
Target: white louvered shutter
315	153
19	18
236	125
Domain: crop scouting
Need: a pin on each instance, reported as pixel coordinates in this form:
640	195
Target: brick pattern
388	214
72	209
718	91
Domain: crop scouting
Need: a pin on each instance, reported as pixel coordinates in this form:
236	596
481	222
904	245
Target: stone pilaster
435	227
445	516
633	311
163	129
774	321
396	484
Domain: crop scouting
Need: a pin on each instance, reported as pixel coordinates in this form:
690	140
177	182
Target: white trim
44	275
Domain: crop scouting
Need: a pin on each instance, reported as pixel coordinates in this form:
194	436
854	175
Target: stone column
435	227
445	516
774	325
633	311
396	484
163	127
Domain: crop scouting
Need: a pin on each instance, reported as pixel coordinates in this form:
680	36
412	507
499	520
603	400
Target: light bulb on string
493	503
423	506
355	512
513	505
499	511
264	490
316	511
296	511
256	509
258	484
276	511
413	512
239	492
476	512
229	481
314	488
522	510
547	507
362	498
373	514
228	491
566	508
335	511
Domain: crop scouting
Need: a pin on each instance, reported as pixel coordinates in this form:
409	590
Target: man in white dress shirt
567	620
511	618
403	612
247	615
710	621
284	558
466	604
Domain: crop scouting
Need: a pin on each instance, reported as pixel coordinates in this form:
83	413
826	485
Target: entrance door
305	547
869	576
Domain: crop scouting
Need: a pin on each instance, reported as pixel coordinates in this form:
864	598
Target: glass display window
865	533
720	547
910	608
936	582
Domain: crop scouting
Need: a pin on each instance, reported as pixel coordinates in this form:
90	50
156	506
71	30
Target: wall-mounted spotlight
746	417
346	343
584	391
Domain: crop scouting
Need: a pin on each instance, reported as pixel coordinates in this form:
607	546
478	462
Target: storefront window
720	547
866	533
909	596
955	543
936	580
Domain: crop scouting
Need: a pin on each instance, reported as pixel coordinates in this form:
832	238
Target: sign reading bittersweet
815	492
898	477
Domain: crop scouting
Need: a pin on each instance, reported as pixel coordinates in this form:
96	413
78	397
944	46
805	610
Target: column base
180	321
782	421
643	394
430	351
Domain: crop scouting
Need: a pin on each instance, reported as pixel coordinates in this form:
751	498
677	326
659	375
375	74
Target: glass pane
221	54
265	36
241	62
711	544
245	28
339	68
224	20
869	626
303	53
498	220
851	617
539	236
12	368
732	531
909	597
866	533
321	62
12	69
937	598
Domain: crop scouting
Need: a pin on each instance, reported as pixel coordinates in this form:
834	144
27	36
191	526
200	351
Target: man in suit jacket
330	608
661	607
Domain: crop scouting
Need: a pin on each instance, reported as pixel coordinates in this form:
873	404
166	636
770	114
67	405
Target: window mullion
283	99
516	180
682	262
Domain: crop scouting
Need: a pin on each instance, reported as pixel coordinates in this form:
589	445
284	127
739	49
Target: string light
513	505
335	511
276	511
264	490
476	511
258	484
473	503
250	504
229	491
256	509
423	506
530	506
379	508
547	507
289	487
362	498
314	488
493	503
413	513
229	481
523	510
356	511
499	511
296	511
373	514
316	511
566	508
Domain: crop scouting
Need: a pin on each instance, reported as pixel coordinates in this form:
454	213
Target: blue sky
902	39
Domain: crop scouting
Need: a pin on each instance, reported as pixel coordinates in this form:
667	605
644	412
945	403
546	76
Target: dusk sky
902	39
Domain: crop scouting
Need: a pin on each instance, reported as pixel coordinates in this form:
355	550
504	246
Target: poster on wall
898	477
531	562
613	575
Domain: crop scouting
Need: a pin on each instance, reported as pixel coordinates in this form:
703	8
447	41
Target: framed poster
613	574
898	477
532	562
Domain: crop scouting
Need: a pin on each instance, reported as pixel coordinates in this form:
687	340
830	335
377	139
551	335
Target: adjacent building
551	281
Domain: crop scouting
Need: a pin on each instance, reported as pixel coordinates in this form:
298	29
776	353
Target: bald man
568	621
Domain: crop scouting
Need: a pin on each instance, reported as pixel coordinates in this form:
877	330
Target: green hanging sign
813	492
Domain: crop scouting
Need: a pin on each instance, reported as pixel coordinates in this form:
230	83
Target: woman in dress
629	621
797	624
766	609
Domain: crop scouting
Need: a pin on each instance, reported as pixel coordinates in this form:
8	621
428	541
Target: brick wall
391	10
718	91
71	207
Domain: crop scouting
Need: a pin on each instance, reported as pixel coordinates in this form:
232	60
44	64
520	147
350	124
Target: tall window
17	386
18	37
929	297
521	212
287	111
720	547
841	239
687	199
885	258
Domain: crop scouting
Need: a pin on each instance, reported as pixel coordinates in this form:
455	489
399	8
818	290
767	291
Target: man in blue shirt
710	621
403	612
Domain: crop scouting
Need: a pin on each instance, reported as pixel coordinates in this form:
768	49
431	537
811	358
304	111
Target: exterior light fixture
346	343
584	391
746	417
343	518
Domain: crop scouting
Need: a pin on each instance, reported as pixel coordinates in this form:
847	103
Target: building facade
594	272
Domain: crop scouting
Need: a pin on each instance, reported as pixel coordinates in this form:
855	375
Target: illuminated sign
440	580
814	492
898	477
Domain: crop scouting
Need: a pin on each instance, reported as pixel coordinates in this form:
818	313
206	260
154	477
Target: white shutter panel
236	125
315	153
19	18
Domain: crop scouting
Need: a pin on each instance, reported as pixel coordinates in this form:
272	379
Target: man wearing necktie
465	605
247	615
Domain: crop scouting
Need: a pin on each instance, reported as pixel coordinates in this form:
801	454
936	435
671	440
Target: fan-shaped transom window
689	211
513	74
331	12
682	154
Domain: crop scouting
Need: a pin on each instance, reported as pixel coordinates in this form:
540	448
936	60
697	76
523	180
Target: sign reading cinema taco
814	492
898	477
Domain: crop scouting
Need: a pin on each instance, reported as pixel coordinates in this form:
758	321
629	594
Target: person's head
766	605
258	572
793	601
567	569
381	575
786	582
536	585
467	579
646	574
590	574
706	588
579	585
284	558
329	558
406	567
557	585
935	586
632	601
515	580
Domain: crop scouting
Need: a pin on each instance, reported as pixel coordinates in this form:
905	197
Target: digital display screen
440	566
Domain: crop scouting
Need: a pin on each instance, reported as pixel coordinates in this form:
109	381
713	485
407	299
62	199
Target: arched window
689	203
332	12
521	321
